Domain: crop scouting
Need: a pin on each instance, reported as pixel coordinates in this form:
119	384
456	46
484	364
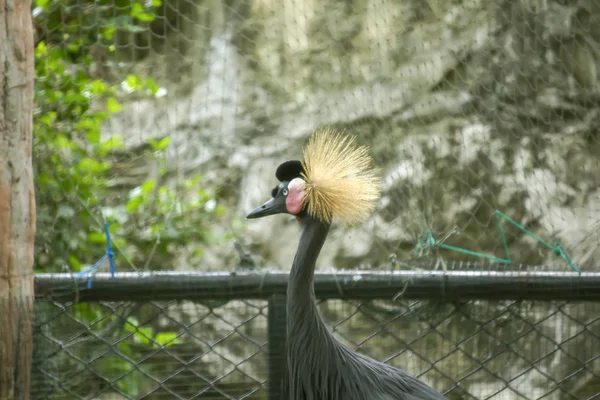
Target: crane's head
333	180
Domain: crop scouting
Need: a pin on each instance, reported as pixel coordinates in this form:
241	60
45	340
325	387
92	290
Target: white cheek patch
295	197
297	184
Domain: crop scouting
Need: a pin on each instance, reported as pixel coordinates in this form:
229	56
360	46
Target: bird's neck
301	291
307	331
310	348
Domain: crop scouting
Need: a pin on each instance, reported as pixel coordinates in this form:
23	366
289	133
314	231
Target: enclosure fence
471	334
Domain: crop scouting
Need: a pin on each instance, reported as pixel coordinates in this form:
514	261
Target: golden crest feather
339	180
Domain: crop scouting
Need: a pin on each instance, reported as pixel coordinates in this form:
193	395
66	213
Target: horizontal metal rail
429	285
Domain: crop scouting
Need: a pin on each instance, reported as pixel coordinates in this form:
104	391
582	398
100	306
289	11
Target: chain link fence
166	119
470	334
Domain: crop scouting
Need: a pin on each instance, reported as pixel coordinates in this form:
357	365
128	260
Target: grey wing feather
387	382
403	386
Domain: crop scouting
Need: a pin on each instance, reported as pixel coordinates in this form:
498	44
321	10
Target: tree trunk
17	202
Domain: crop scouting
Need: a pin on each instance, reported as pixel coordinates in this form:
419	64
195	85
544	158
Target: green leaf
96	238
125	348
134	82
142	335
74	261
73	47
90	165
93	136
109	32
113	105
151	86
62	142
138	12
160	145
198	252
114	143
131	324
219	210
148	186
134	204
97	87
85	124
167	339
85	312
41	49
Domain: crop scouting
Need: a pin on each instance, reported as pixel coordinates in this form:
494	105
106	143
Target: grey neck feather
310	345
303	315
301	286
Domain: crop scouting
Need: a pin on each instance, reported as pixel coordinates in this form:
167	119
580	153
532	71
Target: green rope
427	240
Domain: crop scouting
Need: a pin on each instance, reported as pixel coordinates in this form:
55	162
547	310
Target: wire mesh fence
470	334
166	119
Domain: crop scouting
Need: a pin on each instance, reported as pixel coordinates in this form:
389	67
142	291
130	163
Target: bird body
333	181
318	366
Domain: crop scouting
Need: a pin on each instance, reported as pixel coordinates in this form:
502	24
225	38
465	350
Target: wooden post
17	201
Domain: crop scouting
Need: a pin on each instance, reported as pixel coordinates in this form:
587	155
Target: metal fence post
277	336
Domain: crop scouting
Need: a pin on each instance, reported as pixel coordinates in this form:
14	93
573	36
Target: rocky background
468	106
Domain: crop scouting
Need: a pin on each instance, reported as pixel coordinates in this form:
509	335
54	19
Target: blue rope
110	255
427	240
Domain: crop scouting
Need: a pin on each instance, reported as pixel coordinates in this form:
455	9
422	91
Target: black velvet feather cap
289	170
286	172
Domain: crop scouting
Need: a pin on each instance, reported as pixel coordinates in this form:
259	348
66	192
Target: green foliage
73	165
132	339
70	160
138	337
77	25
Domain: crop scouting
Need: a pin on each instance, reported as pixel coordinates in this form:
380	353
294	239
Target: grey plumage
318	366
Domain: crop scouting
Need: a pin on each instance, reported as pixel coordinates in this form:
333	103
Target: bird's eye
285	192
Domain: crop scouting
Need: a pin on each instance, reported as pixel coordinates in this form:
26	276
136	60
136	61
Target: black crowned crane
333	181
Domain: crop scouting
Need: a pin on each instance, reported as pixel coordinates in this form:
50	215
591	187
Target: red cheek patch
293	202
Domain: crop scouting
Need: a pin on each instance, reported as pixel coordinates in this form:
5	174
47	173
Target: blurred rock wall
468	106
